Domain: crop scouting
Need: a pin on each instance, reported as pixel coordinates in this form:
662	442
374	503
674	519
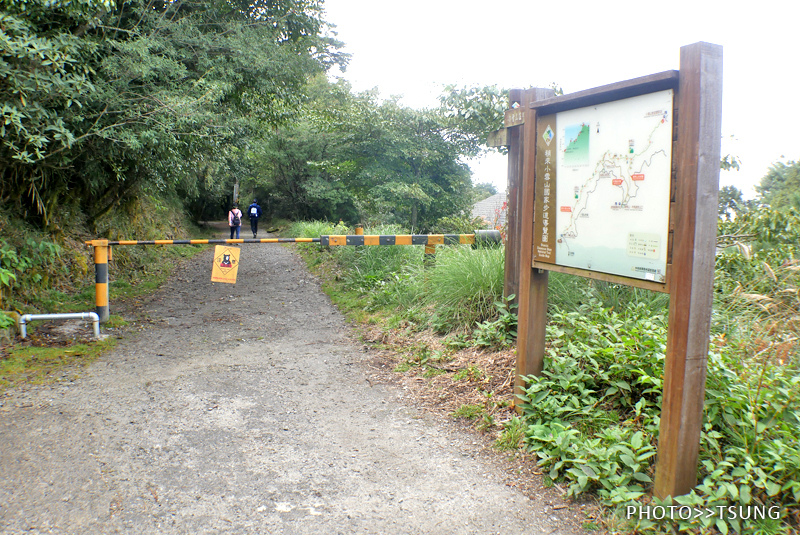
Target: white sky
413	48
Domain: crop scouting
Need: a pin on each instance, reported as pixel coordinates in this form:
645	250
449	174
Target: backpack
236	220
253	211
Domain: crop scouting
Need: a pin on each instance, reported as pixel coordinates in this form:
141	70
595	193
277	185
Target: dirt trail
245	409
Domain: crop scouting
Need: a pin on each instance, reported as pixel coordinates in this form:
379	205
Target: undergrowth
41	272
592	418
53	272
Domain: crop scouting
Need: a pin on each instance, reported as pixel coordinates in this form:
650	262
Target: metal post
429	260
101	279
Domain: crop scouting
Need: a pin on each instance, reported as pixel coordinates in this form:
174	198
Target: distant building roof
492	209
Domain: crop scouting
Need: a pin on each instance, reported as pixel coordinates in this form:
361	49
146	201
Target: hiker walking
235	220
254	212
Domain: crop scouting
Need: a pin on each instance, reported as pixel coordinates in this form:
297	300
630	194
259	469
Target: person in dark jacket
254	212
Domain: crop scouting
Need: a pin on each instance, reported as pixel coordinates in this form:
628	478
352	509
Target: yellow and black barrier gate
102	250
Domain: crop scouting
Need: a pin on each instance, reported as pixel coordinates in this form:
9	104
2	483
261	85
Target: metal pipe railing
27	318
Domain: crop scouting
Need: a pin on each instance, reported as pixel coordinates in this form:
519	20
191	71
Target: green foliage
50	274
764	227
310	229
587	414
460	224
461	292
34	264
463	287
731	203
468	412
592	417
409	171
46	76
104	103
757	289
473	113
377	269
567	292
511	436
7	276
482	191
6	320
730	162
780	187
757	280
470	373
357	158
500	332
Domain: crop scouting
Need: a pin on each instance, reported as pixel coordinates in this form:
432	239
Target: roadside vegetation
42	274
591	420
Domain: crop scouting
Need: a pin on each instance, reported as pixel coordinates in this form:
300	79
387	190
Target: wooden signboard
620	183
603	190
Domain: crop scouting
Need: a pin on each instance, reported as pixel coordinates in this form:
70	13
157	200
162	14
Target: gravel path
244	409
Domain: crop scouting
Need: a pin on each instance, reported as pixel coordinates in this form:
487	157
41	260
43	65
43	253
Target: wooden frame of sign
674	253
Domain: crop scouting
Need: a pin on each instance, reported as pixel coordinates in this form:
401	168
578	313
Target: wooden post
532	296
513	198
692	270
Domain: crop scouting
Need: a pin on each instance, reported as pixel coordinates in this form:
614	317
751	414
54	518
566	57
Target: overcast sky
413	48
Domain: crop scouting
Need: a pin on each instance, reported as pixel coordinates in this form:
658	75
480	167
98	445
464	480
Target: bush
592	417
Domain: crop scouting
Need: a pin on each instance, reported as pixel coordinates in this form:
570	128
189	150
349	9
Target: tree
409	166
482	190
162	97
780	187
353	157
730	202
471	114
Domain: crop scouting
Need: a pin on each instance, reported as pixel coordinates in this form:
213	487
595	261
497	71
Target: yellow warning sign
226	264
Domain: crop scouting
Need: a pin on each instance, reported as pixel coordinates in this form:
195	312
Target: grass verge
58	278
23	364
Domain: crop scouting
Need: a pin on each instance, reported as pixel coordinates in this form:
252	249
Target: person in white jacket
235	220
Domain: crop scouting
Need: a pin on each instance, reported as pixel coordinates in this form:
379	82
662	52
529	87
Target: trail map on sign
613	164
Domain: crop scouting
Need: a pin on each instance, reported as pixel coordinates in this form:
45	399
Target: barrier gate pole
101	279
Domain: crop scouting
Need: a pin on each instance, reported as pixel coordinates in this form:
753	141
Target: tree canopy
354	157
104	103
780	187
101	102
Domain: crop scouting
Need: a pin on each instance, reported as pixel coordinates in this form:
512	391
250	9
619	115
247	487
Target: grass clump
463	287
468	412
